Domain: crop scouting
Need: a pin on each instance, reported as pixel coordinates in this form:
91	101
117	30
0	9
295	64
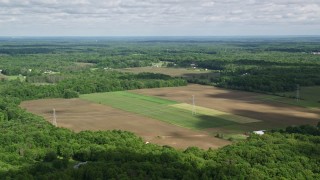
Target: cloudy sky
159	17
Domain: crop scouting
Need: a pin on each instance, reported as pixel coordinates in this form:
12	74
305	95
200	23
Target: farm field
174	72
246	104
21	78
78	115
165	110
166	115
2	76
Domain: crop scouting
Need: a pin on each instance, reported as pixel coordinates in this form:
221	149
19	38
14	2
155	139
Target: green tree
68	94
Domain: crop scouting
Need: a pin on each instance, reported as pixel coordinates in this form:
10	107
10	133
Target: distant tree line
262	65
89	82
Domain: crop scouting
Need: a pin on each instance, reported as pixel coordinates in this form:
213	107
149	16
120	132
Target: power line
54	120
298	93
147	112
193	106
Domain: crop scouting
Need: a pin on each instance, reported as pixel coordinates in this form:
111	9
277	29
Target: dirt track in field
241	103
81	115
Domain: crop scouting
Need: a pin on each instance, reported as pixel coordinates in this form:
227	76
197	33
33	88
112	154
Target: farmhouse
49	72
260	132
193	65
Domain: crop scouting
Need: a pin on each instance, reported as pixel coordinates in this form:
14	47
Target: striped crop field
169	111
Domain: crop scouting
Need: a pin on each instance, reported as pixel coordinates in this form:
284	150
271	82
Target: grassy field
21	78
43	84
2	76
310	97
165	110
175	72
212	112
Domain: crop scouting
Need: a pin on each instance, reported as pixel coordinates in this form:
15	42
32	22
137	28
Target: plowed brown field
272	114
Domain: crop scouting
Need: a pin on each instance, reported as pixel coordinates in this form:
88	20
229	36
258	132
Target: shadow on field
275	119
252	98
233	95
212	122
268	121
162	95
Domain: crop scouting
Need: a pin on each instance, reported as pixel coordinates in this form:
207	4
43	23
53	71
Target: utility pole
193	106
298	93
54	120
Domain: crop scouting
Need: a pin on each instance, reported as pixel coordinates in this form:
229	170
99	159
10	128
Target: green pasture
10	78
160	109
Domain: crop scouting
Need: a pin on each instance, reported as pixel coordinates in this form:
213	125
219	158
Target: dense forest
32	148
71	85
254	64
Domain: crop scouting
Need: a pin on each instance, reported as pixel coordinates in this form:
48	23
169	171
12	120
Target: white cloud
157	17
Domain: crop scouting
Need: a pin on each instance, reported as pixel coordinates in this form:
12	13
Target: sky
159	17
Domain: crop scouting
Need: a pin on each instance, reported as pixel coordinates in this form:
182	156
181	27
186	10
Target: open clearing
174	72
78	115
2	76
10	78
82	64
246	104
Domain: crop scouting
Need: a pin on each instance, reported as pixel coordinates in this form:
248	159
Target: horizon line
23	36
